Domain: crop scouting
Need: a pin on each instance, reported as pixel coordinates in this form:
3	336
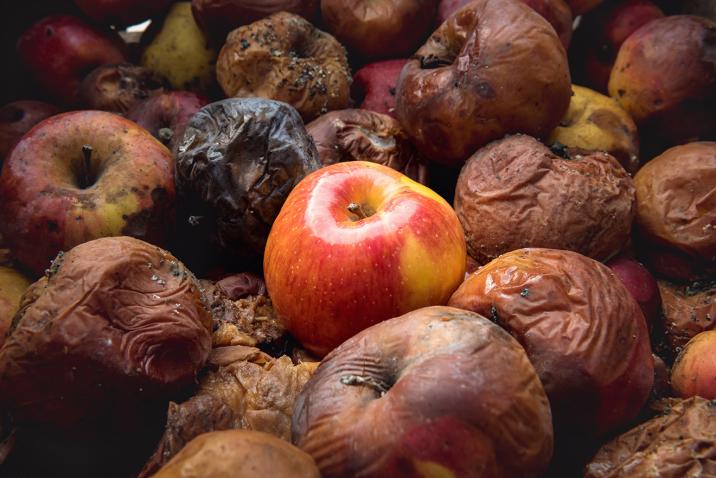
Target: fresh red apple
556	12
641	284
601	34
357	243
374	86
122	12
165	115
59	51
79	176
17	118
694	371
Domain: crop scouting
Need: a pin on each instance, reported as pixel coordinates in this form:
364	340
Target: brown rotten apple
361	135
492	68
516	193
583	331
556	12
379	29
240	454
436	392
58	52
687	310
665	78
83	175
285	58
676	211
677	443
12	285
116	88
116	325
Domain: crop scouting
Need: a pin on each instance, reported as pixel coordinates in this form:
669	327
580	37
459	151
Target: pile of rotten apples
338	238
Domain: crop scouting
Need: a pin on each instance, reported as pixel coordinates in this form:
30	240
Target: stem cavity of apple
360	210
85	179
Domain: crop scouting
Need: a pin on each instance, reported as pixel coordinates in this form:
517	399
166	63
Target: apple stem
358	210
87	164
370	382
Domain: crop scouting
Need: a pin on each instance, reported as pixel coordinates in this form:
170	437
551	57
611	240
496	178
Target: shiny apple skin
59	51
43	210
331	275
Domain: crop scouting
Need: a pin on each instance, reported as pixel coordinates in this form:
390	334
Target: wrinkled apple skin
47	203
556	12
58	51
351	272
694	372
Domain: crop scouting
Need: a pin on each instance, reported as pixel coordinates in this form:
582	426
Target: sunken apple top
114	311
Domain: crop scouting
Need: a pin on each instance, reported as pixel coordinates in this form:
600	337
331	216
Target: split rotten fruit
583	331
373	245
83	175
116	325
459	393
492	68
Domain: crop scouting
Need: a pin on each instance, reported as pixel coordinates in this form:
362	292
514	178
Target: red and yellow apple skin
59	51
52	198
331	273
694	371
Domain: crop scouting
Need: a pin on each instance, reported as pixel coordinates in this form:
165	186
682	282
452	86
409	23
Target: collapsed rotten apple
357	243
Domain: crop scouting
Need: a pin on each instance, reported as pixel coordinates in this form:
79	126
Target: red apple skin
374	86
640	284
556	12
43	207
694	371
601	34
59	51
17	118
170	110
122	12
331	275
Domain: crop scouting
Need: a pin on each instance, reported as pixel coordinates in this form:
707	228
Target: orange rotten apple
357	243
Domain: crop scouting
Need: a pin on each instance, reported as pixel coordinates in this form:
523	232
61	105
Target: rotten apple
373	245
83	175
374	86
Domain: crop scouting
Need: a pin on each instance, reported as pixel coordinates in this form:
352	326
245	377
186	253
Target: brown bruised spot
485	90
606	120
